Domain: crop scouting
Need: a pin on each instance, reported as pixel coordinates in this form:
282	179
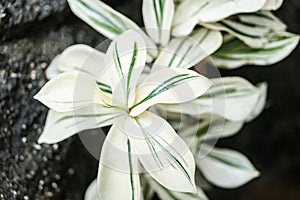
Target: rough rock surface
27	168
18	12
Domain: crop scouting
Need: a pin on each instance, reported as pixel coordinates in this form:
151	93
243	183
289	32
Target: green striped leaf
163	154
81	58
186	52
167	194
195	129
101	17
125	60
272	4
176	86
225	168
235	53
211	127
254	29
233	98
190	12
158	16
107	21
177	120
118	168
70	91
60	126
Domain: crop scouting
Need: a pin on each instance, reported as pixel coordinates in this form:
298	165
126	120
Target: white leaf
233	98
118	168
225	168
219	9
145	73
235	53
60	126
70	91
195	130
272	4
190	12
81	58
107	21
109	179
261	102
52	70
187	16
101	17
254	29
263	19
175	86
125	60
161	151
211	127
158	16
165	194
91	192
185	52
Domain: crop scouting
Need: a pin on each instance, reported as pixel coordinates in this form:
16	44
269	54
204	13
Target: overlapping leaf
60	126
70	91
190	12
176	86
107	21
254	29
81	58
167	194
233	98
211	127
235	53
185	52
158	16
125	60
161	151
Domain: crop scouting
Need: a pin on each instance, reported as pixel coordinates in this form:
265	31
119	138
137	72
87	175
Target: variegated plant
179	34
224	168
80	100
242	104
258	36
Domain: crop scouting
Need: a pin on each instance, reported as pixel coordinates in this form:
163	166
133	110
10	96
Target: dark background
33	32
